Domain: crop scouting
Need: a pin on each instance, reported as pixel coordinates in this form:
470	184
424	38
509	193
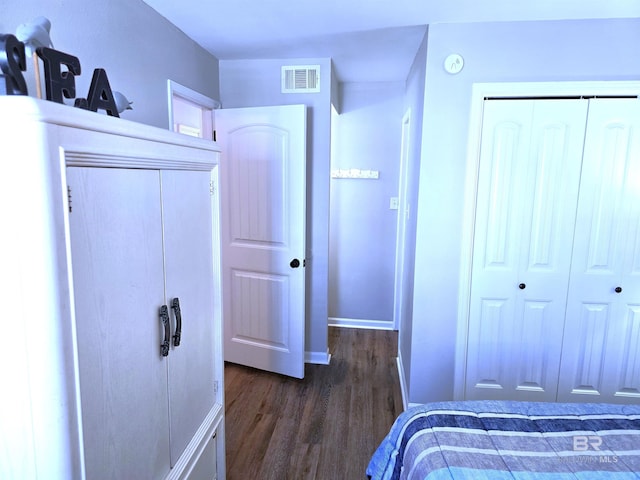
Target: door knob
295	263
522	286
618	289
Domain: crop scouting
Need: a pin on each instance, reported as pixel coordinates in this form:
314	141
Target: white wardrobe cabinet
553	312
131	220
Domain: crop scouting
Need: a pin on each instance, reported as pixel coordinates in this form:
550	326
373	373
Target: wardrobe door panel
207	465
116	244
188	254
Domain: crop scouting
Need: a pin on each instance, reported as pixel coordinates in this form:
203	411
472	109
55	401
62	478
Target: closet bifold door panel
554	310
601	351
118	272
526	205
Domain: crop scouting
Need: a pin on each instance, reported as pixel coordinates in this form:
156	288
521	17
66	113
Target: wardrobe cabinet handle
618	289
164	318
175	305
522	286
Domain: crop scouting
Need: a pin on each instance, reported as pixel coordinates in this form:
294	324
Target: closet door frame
481	91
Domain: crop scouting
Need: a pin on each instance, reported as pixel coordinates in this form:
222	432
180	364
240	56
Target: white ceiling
369	40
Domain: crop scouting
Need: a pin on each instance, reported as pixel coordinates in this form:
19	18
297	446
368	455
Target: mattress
511	440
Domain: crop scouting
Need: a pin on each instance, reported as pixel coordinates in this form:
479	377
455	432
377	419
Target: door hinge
69	198
212	188
215	387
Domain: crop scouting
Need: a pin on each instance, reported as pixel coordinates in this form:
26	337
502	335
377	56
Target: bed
511	440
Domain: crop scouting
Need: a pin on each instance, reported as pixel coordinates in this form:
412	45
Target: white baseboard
403	386
360	323
403	382
318	358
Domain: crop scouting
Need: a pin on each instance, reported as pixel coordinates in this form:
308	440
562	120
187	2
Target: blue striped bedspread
499	440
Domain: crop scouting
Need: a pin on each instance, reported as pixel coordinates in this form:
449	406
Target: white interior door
601	352
529	175
263	217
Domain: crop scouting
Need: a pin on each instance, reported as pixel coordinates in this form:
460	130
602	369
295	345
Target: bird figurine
35	34
122	103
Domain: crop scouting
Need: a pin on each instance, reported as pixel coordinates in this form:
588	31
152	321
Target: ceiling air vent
301	79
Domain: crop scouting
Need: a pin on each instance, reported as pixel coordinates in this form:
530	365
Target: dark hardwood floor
325	426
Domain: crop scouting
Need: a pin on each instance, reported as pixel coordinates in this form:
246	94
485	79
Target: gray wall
413	100
493	52
366	135
139	49
255	83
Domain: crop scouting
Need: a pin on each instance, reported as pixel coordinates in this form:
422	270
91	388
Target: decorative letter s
12	64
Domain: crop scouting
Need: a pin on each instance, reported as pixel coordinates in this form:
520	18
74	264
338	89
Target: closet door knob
618	289
295	263
522	286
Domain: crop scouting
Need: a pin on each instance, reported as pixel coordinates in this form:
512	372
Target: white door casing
190	112
527	189
263	219
601	352
403	217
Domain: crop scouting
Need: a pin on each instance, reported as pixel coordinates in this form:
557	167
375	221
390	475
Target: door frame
207	106
479	93
403	212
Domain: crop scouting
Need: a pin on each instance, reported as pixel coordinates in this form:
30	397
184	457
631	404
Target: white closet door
116	243
188	249
527	192
601	352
